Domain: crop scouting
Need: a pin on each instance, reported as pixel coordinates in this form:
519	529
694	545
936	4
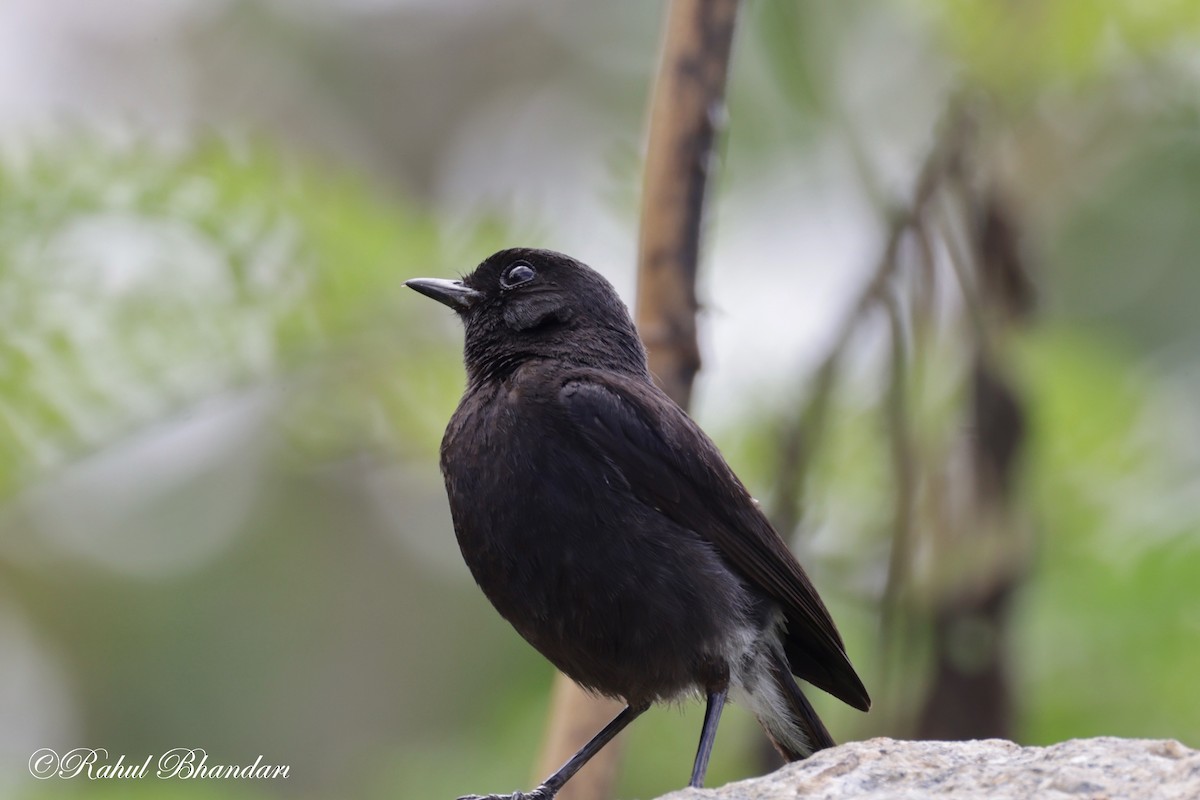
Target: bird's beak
449	293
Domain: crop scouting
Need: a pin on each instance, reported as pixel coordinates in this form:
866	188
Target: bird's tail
787	716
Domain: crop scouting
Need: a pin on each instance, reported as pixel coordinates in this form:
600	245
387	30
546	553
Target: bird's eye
517	274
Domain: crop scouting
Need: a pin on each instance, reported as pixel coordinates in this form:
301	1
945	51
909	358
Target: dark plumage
605	526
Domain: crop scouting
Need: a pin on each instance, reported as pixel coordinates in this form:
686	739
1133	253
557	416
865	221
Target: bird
606	527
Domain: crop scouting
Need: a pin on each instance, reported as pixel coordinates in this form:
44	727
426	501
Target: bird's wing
672	466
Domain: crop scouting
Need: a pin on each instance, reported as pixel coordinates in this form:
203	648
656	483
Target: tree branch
686	110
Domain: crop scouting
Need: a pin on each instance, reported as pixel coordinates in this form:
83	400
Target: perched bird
605	526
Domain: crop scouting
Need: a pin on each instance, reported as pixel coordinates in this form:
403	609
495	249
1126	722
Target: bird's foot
540	793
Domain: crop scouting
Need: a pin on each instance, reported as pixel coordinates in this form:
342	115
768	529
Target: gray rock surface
989	769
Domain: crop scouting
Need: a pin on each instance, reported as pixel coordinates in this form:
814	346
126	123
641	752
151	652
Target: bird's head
525	304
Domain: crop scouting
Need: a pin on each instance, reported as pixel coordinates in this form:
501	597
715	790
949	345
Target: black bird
605	526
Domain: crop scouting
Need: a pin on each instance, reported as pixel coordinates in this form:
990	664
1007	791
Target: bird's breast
603	585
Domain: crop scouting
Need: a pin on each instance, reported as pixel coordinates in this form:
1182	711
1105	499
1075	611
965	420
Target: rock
1082	769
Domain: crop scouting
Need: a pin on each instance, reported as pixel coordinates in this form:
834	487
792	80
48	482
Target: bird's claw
537	794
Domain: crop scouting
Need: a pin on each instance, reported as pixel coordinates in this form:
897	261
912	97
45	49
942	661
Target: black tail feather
802	733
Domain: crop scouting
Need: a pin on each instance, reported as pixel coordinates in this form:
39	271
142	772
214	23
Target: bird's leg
708	735
551	785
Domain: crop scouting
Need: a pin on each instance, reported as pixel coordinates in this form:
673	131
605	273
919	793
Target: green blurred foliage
245	274
241	268
1119	527
1106	621
1141	217
132	790
1023	48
